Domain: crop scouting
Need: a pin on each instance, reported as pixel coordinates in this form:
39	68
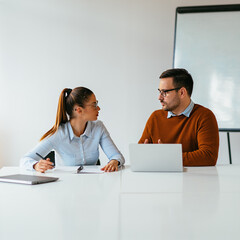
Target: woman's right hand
43	165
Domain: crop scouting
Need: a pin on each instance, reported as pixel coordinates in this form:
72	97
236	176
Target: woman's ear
78	109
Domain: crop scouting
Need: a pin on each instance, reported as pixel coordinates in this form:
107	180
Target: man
182	121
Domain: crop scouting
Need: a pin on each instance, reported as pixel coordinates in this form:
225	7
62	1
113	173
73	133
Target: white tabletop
225	178
75	207
200	203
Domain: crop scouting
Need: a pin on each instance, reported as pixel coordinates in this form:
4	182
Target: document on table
86	169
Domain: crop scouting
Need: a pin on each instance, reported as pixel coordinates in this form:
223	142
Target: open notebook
156	157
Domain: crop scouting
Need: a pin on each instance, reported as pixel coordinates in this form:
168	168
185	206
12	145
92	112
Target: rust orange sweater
197	133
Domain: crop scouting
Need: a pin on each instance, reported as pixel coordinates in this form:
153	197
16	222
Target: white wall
117	48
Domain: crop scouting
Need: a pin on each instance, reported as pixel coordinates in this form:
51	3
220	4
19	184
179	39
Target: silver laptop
27	179
156	157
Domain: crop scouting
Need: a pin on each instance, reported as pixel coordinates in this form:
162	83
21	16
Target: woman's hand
43	165
111	166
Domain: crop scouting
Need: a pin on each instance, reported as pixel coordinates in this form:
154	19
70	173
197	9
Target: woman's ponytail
61	112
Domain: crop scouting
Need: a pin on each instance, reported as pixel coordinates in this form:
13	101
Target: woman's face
91	109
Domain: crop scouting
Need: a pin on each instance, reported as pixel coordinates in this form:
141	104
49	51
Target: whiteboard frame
204	9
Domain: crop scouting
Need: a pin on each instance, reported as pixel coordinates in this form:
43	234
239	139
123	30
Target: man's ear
183	92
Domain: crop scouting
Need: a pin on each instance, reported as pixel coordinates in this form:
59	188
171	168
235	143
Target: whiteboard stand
228	139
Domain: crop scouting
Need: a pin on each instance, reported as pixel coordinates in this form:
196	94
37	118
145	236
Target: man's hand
159	141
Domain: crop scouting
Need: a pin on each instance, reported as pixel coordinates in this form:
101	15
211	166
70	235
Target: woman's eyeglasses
94	104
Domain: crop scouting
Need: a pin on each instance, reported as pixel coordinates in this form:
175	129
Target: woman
76	135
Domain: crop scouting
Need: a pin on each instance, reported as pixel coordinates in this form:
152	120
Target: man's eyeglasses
94	104
164	92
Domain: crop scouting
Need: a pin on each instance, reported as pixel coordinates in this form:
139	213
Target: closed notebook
27	179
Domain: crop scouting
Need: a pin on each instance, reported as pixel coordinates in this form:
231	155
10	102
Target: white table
200	203
75	207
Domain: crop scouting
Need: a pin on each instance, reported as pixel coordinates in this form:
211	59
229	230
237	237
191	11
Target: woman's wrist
115	162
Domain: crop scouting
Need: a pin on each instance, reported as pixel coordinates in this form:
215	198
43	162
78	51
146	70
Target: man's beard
172	106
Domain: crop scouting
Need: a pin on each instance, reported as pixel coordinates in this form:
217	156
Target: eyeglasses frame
94	104
164	92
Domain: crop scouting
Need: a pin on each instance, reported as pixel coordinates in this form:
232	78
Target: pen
40	156
80	168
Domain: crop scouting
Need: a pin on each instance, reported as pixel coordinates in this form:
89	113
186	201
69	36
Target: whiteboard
207	44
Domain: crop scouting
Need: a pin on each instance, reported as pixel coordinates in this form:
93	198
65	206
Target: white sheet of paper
73	169
91	169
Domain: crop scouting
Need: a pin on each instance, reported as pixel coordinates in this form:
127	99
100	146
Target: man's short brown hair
181	78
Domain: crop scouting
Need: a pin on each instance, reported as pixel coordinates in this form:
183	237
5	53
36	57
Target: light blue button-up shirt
186	112
75	150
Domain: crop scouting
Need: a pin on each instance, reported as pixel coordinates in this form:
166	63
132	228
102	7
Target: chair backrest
51	155
98	162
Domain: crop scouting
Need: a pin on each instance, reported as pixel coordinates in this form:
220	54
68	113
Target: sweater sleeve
208	143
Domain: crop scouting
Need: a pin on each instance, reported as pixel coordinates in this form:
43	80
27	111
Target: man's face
171	101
